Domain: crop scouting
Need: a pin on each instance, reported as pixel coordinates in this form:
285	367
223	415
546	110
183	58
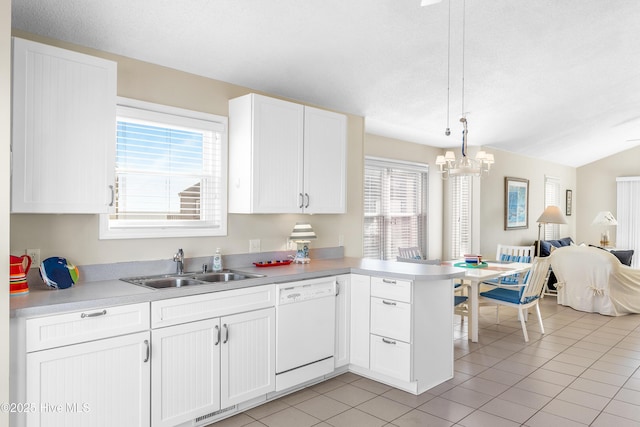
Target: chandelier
464	166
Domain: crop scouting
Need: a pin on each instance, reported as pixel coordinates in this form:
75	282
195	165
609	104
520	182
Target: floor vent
213	414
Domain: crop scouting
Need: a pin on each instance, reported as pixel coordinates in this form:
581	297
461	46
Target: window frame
405	166
179	117
552	197
461	215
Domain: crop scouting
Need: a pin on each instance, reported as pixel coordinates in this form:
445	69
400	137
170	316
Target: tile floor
582	372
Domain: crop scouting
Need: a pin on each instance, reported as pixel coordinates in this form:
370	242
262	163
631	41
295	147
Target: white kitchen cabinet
343	320
97	383
185	372
360	309
401	331
285	157
248	356
325	157
63	133
214	359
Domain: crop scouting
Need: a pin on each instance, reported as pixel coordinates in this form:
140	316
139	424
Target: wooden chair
523	295
507	253
412	252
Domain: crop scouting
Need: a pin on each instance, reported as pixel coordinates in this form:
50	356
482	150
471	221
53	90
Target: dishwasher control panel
290	293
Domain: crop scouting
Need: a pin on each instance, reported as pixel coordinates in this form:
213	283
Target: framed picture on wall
569	203
516	203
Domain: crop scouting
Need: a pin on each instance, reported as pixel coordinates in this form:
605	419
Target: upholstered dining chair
522	296
507	253
411	252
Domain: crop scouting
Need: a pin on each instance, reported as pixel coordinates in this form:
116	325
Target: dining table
475	274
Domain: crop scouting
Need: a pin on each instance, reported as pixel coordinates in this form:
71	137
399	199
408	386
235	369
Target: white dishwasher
305	330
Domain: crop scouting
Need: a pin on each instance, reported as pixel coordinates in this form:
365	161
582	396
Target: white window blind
395	207
628	206
460	189
551	198
170	174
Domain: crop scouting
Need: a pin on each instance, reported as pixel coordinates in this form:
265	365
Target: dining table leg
473	308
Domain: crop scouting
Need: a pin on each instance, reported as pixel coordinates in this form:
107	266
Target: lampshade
604	218
552	215
302	232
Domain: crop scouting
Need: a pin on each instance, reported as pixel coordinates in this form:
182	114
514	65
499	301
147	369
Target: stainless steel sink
189	279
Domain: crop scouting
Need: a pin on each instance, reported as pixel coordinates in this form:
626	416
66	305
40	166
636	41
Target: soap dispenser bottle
217	261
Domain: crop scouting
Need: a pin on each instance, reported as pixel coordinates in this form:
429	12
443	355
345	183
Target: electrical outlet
341	240
254	245
34	254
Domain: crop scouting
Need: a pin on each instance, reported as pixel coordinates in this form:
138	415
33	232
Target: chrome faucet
179	259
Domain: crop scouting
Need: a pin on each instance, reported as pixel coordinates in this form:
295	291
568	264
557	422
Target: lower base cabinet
97	383
201	367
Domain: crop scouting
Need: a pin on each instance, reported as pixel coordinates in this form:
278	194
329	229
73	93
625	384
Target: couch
593	280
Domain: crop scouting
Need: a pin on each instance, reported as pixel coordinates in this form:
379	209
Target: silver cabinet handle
226	333
388	302
301	198
386	341
337	288
390	282
306	195
146	359
96	314
218	335
113	195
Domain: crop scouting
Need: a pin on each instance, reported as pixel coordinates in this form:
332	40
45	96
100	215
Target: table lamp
551	215
302	234
604	219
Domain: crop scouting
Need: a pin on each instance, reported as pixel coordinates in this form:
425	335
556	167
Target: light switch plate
254	245
34	254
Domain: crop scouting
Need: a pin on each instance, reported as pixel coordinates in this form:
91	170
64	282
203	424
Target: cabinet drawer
391	319
199	307
398	290
391	357
87	325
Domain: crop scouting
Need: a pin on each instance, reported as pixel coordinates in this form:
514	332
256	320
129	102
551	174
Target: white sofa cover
593	280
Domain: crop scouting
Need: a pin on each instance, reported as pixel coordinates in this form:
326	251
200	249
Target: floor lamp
551	215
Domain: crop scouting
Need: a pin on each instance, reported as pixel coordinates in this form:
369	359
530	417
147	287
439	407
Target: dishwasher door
305	332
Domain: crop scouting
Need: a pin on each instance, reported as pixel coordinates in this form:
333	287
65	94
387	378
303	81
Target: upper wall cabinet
285	157
63	136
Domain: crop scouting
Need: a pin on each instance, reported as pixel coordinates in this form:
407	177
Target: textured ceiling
553	79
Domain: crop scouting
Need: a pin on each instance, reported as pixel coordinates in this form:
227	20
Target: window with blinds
460	189
551	198
170	174
395	207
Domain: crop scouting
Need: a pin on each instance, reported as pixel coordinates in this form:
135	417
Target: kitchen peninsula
393	324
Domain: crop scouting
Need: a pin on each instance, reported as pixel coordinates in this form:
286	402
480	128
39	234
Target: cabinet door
265	155
63	135
99	383
325	137
360	309
343	323
248	356
185	372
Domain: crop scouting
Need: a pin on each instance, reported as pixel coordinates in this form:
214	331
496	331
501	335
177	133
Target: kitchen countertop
42	300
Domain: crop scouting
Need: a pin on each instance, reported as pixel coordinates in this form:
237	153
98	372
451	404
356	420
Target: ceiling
555	80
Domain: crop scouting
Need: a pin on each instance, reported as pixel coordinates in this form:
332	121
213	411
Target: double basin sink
189	279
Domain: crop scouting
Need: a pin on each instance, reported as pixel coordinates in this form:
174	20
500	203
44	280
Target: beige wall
5	137
388	148
492	230
597	190
76	236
